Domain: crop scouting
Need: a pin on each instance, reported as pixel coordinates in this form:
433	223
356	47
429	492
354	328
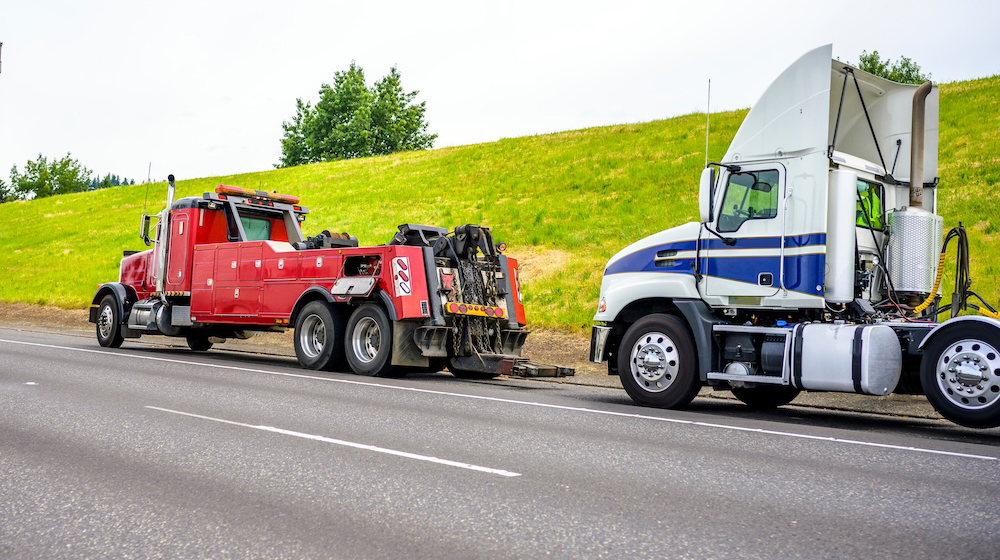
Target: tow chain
476	291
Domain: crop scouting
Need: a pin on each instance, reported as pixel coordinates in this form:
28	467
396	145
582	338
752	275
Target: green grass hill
563	202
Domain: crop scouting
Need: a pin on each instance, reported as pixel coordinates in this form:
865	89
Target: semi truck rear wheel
369	341
319	337
656	362
109	327
960	373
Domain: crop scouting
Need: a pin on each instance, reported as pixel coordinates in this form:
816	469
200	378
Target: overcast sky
201	88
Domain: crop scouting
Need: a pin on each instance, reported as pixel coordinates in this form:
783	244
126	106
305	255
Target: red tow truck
234	262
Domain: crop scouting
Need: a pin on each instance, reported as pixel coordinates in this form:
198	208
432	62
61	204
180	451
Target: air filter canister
914	244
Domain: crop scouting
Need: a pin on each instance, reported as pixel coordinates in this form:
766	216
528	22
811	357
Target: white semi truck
816	263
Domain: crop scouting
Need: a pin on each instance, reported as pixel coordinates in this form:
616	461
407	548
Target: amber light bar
240	191
473	309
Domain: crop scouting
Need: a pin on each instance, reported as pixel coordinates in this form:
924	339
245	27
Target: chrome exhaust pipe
917	146
162	239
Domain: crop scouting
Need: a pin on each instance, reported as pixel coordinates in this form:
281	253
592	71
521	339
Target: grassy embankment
563	202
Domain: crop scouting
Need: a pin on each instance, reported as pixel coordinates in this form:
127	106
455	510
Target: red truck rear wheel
369	341
319	337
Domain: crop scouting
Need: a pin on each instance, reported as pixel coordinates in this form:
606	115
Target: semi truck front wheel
109	326
656	362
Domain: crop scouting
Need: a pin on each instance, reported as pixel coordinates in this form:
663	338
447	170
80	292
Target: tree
351	120
904	70
6	193
398	124
42	178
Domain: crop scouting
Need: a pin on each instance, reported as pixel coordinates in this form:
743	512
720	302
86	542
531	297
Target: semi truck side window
750	195
257	229
869	204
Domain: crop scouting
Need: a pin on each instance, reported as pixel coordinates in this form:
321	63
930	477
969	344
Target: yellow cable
933	294
988	313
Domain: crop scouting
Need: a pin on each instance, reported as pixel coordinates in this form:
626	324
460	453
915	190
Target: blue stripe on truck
803	273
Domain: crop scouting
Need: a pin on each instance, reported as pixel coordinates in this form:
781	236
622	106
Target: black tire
763	397
109	323
319	337
666	376
368	342
960	373
198	342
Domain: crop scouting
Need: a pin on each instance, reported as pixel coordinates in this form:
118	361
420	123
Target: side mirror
144	230
705	194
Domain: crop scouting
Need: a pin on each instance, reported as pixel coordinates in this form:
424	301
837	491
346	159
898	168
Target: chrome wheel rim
968	374
312	337
366	339
654	362
105	323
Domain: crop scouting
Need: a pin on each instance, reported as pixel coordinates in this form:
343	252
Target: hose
962	293
937	283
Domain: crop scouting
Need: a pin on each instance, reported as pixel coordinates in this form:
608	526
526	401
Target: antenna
148	171
708	111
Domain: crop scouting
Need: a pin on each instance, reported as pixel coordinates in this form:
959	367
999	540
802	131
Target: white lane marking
525	403
345	443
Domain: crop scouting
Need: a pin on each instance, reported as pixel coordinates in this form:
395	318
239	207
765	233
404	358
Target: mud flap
405	351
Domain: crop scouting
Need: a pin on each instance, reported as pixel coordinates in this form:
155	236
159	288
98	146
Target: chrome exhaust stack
914	233
917	146
162	239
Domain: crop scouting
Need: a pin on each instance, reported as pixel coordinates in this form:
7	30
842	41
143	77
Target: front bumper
598	343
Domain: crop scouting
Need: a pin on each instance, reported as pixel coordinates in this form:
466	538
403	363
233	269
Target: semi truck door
748	212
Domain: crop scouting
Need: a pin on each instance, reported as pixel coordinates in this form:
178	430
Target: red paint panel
411	275
277	298
250	263
203	269
134	269
212	227
227	260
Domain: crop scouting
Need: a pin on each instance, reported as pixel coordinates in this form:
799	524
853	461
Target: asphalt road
154	452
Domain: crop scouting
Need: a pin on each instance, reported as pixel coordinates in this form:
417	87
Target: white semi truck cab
816	263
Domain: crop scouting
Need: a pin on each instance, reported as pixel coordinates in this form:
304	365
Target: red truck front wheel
109	328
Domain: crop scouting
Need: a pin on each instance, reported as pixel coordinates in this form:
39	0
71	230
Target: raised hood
797	115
